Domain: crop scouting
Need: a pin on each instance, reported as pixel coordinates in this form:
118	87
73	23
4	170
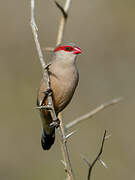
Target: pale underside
64	80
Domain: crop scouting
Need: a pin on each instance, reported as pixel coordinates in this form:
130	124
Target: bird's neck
62	68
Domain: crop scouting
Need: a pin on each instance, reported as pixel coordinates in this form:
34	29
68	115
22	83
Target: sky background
105	31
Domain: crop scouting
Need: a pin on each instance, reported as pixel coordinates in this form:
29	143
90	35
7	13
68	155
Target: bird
64	76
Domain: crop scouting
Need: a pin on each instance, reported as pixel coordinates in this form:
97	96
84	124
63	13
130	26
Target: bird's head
67	52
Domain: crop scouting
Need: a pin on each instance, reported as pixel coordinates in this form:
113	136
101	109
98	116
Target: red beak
77	50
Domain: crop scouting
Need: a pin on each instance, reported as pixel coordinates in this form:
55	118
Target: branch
70	134
62	24
50	107
62	10
65	151
42	61
35	34
91	165
92	113
63	20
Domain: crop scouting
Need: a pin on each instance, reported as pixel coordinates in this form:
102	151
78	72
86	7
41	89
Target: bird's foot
55	123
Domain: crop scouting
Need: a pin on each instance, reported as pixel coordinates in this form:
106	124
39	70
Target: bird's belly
62	93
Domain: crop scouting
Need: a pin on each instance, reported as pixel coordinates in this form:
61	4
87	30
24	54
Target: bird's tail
47	140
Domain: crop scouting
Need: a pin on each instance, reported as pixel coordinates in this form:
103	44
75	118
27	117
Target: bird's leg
55	123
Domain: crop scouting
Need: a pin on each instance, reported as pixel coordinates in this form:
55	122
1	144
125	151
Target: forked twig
92	113
91	165
62	9
63	20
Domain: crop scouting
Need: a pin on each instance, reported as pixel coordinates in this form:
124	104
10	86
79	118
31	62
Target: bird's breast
63	86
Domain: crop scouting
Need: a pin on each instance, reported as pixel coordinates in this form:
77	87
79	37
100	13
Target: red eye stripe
64	48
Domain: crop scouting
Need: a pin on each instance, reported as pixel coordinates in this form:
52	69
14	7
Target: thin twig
92	113
65	151
63	20
35	34
62	9
103	163
91	165
70	134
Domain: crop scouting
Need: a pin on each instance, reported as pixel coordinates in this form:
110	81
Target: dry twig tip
61	9
70	134
91	165
92	113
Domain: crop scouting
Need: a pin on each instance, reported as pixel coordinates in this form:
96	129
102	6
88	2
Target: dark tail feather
47	140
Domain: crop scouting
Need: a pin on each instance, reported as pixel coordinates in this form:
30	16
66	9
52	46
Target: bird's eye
68	48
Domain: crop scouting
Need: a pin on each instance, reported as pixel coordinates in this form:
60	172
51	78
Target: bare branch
61	9
85	159
107	137
63	20
65	151
103	163
47	78
92	113
91	165
35	34
62	24
70	134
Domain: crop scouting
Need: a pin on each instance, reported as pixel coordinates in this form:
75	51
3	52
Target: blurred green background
105	30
